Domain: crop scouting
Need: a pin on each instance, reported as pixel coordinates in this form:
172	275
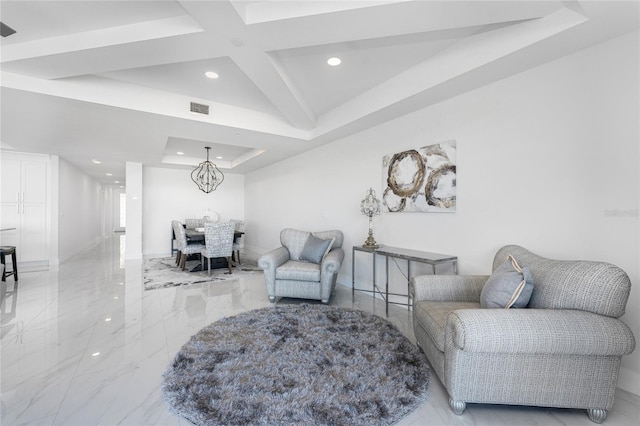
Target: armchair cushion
508	287
300	271
315	249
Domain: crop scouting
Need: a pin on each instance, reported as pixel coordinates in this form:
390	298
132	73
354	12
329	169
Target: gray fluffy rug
297	364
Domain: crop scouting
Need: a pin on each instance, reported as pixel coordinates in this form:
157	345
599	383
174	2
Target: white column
53	212
134	211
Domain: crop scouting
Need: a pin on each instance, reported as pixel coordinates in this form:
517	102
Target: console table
432	259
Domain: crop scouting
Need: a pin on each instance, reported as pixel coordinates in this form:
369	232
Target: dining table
195	235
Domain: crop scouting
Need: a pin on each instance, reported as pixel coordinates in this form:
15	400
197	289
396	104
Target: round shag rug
297	364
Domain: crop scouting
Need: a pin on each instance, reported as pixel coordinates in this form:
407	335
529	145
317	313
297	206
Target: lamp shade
370	205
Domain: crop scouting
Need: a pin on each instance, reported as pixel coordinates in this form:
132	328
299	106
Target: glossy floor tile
86	345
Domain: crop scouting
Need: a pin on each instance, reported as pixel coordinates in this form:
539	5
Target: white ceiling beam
265	11
222	18
116	94
393	20
189	47
459	60
125	34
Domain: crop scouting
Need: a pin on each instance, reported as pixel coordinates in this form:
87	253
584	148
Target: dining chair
184	248
237	242
218	242
194	223
176	237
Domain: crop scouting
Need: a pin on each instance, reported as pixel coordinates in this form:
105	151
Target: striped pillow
508	287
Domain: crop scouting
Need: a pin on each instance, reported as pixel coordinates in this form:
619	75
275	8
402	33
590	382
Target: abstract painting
420	180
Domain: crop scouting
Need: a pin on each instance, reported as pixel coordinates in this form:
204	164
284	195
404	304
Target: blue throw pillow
508	287
314	249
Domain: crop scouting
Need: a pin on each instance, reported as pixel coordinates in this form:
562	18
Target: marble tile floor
85	345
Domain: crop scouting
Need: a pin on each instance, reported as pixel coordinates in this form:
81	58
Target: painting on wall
420	180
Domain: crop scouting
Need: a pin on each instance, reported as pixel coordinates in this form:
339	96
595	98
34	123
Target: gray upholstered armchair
563	350
287	274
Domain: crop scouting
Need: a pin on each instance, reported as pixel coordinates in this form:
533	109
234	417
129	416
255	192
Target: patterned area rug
297	365
162	273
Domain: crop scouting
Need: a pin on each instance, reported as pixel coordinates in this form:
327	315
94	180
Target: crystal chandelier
207	175
370	206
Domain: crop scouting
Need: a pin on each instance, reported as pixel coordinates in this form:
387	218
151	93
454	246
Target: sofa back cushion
598	287
294	240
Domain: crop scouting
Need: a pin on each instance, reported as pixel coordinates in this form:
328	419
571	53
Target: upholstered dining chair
237	242
194	223
184	248
218	242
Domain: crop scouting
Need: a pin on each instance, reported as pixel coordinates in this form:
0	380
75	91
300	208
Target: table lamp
370	206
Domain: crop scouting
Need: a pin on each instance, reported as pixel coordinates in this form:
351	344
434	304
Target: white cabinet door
10	218
33	235
10	185
30	235
23	197
34	182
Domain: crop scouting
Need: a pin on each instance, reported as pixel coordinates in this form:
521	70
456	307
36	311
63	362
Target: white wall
135	191
170	194
547	159
80	209
111	220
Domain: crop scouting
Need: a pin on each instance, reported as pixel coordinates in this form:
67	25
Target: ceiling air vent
199	108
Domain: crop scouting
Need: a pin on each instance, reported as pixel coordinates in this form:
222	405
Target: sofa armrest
538	331
447	288
271	260
332	261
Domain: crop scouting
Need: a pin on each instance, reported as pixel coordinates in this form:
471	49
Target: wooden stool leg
229	263
15	265
4	271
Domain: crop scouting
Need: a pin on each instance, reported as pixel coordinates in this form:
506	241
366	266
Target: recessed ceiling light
334	61
95	354
211	74
109	174
96	161
219	158
116	181
180	153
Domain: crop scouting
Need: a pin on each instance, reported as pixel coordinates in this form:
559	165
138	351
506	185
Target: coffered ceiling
114	80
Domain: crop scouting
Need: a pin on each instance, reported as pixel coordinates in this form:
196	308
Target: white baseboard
629	381
146	256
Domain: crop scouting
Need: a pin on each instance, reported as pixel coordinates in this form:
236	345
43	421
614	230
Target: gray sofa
563	350
286	275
